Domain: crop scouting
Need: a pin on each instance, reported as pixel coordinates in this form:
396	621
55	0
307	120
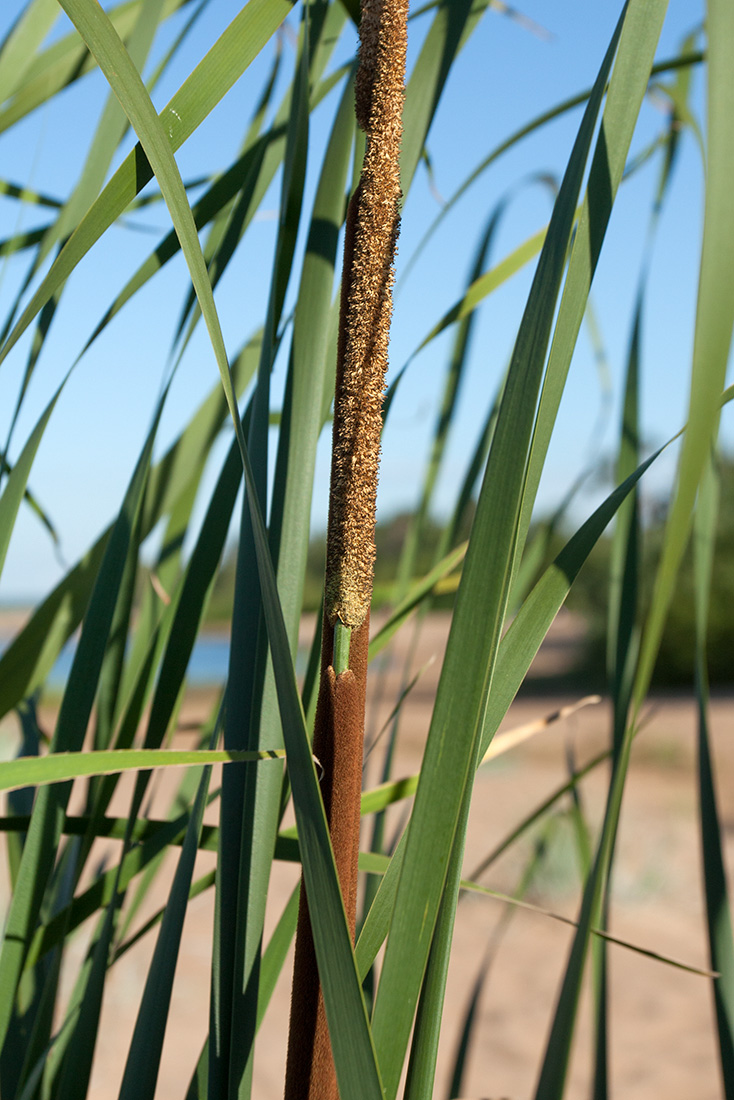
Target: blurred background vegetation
588	597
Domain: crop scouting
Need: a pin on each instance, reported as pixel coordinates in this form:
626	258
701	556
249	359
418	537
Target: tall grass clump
97	860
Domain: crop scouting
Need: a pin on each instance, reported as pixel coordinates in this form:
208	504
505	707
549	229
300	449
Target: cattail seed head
366	309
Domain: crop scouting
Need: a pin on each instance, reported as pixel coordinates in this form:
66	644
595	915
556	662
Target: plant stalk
366	306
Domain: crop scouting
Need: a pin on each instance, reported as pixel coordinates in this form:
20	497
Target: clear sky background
506	76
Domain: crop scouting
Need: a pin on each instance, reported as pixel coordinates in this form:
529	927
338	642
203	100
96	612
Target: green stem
342	639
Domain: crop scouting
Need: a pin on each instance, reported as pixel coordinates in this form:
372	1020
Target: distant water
207	666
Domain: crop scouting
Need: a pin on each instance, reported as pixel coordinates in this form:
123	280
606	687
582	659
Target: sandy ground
662	1041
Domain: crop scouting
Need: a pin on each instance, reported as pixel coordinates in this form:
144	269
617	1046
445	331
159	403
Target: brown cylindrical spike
338	745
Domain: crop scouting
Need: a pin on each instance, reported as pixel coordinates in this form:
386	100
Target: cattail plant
372	226
76	866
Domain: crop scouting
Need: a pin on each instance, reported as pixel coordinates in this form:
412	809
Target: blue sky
506	76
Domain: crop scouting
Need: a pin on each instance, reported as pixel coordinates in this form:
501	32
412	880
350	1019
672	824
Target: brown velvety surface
338	742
